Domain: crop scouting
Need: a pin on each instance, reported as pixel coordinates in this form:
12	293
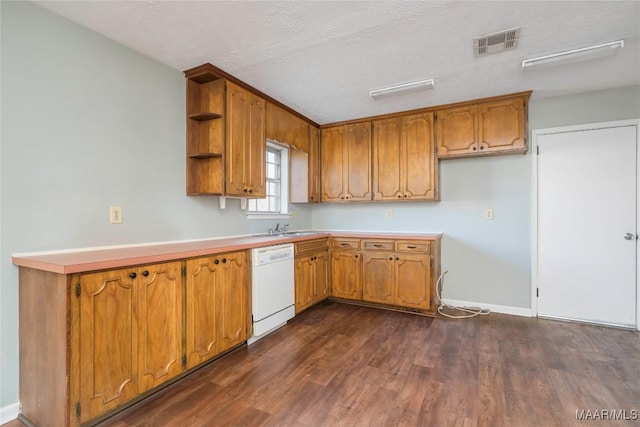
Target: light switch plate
488	214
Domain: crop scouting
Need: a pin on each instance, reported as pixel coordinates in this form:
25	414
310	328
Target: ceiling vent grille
496	42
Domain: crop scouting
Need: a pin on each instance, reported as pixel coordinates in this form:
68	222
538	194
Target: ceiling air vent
496	42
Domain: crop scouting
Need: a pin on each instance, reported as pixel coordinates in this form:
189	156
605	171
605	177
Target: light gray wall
88	124
488	261
621	103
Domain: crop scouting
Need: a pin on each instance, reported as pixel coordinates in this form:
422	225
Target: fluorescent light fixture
575	55
402	89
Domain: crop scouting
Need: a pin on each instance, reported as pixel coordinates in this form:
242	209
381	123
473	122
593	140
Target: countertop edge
116	257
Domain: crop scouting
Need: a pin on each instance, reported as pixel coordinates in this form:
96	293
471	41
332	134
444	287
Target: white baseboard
9	413
503	309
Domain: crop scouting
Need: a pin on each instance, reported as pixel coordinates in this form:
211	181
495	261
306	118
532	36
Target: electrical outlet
488	214
294	214
389	214
115	215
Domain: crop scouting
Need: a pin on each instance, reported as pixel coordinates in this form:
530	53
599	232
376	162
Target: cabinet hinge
184	360
78	289
537	292
537	150
78	409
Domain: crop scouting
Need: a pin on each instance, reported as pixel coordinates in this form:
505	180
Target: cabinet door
332	159
255	161
457	131
160	323
314	164
284	126
356	167
378	277
303	282
237	138
419	168
501	126
108	341
413	281
386	159
232	302
321	279
201	326
346	275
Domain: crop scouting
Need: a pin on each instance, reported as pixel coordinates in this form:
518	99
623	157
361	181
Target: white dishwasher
273	296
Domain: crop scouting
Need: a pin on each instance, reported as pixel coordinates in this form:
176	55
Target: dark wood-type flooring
345	365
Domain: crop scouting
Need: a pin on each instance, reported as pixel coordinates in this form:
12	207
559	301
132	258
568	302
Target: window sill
256	215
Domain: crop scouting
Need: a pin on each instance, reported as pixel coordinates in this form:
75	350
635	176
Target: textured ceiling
322	58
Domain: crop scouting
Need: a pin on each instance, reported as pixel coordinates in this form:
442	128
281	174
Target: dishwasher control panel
271	254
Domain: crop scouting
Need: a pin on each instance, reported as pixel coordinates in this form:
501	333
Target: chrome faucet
278	229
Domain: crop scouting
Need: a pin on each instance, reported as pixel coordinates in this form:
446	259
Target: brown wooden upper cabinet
405	166
496	126
284	126
226	138
245	143
346	163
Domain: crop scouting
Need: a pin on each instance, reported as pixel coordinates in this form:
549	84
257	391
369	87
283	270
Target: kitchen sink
296	233
287	234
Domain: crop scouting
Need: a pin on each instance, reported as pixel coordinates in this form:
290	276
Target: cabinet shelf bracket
223	202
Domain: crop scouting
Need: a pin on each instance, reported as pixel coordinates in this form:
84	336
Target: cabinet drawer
309	246
345	243
378	245
415	246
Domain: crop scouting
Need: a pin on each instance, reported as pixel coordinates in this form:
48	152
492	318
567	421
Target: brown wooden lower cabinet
398	273
91	342
311	274
216	309
130	336
346	274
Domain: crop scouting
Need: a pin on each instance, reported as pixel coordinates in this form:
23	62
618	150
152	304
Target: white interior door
586	206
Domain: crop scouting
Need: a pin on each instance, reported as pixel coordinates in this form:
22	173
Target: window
277	183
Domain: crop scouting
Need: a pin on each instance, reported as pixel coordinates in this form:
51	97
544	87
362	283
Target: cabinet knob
132	275
474	148
224	260
356	255
145	273
342	197
397	258
399	196
405	196
216	261
481	147
390	258
251	190
245	190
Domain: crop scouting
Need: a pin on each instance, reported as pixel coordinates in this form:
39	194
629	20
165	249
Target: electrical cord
470	311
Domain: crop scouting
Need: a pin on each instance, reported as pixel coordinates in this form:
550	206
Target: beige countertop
80	261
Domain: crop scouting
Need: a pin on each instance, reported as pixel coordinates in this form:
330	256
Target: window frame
284	186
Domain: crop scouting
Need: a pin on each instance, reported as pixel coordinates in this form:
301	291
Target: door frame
535	134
